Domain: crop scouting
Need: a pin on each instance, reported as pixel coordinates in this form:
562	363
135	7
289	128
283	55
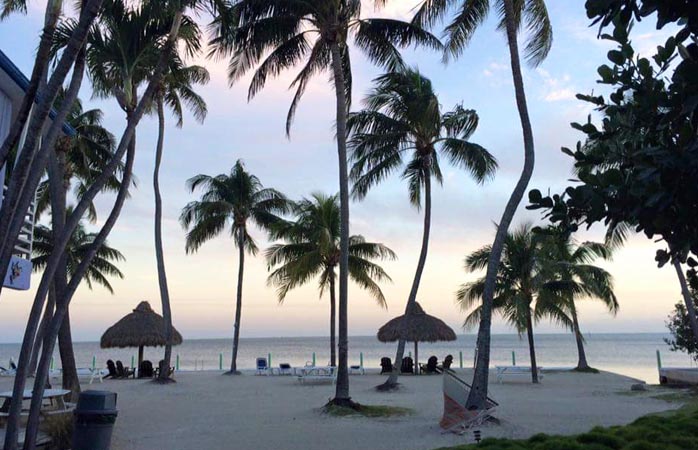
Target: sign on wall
19	273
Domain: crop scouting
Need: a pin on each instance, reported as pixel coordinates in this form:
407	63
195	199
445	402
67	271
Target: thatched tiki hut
416	326
141	328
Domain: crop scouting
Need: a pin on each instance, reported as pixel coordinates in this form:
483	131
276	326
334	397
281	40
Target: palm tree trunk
582	363
391	382
58	195
342	397
687	298
333	321
43	330
531	347
238	305
478	394
159	253
53	11
30	165
62	306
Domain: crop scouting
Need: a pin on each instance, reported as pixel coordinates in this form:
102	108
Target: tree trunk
582	361
53	11
392	383
128	136
58	196
333	320
531	347
61	311
342	397
238	305
30	165
159	253
478	395
43	331
687	298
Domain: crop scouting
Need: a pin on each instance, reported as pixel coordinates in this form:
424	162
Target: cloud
555	89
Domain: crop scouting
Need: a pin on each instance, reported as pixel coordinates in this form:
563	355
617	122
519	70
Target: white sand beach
205	410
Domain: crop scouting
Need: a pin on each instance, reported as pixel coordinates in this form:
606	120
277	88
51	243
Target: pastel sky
202	285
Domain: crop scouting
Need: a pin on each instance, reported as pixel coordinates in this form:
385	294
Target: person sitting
431	365
407	365
386	365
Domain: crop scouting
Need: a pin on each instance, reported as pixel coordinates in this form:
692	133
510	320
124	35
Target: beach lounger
286	369
456	418
386	365
111	369
145	370
316	375
431	366
356	370
262	367
505	371
124	372
407	365
90	375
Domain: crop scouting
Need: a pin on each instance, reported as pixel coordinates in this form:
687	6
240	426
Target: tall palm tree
531	15
312	250
403	119
176	91
521	295
101	267
316	34
576	278
237	200
77	160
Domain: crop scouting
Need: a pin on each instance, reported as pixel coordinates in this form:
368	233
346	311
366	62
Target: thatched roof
416	326
142	327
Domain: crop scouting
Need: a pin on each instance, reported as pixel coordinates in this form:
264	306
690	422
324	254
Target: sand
206	410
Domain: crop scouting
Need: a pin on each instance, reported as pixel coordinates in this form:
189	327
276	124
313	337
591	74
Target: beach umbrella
416	326
141	328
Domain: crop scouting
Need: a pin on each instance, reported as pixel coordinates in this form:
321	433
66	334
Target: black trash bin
95	416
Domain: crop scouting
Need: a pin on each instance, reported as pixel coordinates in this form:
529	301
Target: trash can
95	416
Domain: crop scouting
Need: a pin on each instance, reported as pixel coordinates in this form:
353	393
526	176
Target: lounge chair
314	375
448	361
161	363
356	370
124	372
386	365
113	374
456	418
407	365
286	369
431	367
262	367
145	370
89	374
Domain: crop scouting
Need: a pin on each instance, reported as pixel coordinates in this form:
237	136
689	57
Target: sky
202	285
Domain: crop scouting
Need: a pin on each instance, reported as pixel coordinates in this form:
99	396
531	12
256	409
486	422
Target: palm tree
176	91
78	160
316	34
237	200
403	119
101	267
576	278
521	295
531	15
312	250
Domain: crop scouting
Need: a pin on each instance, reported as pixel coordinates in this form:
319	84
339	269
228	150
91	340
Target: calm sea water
628	354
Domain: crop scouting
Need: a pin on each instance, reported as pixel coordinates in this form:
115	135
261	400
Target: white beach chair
456	418
505	371
262	367
90	375
357	370
286	369
316	375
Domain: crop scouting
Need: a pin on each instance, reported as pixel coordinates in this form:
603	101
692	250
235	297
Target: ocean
633	355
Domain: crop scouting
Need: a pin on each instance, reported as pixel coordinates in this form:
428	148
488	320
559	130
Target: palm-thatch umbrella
141	328
416	326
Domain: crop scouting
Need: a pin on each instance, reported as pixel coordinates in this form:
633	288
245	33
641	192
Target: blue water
628	354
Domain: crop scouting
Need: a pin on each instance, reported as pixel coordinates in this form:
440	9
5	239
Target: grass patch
373	411
675	430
